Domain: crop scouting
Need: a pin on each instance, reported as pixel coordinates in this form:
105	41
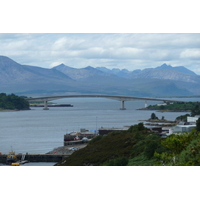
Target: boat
22	161
11	158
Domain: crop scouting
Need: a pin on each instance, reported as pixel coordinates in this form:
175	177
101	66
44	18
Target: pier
38	157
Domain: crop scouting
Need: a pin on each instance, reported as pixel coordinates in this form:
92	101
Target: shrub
121	161
198	125
138	127
95	139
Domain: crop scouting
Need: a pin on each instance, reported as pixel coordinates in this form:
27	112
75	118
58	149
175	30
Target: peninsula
175	107
13	102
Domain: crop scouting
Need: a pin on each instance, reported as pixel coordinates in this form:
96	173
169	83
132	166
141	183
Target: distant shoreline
52	105
164	110
15	110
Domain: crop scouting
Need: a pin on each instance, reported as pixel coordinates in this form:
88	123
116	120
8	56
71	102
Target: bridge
115	97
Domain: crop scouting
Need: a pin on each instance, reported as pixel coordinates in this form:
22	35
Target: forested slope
13	102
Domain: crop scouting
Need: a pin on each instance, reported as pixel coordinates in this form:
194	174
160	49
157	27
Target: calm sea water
39	131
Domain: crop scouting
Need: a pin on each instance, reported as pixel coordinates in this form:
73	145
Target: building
192	120
76	137
105	131
161	104
181	129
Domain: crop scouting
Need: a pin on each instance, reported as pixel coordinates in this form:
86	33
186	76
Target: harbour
37	132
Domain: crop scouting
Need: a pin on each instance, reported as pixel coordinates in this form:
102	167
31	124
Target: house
105	131
161	104
76	137
192	120
181	129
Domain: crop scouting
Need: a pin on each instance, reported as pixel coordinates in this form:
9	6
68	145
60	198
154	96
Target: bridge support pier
122	106
45	106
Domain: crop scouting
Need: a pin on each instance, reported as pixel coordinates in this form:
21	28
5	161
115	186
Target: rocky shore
66	149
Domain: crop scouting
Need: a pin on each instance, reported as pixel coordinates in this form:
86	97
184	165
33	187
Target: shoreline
12	110
66	149
164	110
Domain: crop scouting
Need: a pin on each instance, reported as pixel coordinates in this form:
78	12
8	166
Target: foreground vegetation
138	146
13	102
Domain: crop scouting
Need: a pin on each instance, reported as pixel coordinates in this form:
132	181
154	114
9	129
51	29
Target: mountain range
164	80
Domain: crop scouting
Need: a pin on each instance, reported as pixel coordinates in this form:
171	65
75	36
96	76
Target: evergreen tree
198	124
12	102
153	116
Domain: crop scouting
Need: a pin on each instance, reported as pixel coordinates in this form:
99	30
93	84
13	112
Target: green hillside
139	147
114	149
193	107
13	102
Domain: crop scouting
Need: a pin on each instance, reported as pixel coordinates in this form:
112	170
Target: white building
161	104
181	129
193	119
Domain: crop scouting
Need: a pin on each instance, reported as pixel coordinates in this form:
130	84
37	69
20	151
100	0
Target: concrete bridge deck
115	97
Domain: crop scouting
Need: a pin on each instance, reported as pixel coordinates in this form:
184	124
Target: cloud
131	51
60	44
191	53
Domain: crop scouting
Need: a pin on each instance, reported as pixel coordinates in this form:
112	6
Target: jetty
38	157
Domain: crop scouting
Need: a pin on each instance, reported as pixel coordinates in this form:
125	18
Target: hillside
103	149
80	74
13	102
138	146
160	81
37	81
24	79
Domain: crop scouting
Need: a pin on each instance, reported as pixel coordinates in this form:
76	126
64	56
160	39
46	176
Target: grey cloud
131	51
191	53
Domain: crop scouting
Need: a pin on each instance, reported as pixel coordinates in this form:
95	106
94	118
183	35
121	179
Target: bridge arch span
114	97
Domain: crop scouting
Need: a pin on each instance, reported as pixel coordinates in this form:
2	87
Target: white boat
23	161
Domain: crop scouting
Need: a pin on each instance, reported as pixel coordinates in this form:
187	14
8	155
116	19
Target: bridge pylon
45	106
122	106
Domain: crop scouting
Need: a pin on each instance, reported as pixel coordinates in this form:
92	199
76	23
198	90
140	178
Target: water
38	131
31	164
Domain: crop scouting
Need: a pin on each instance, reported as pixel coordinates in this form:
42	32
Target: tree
181	148
198	124
121	161
12	102
195	110
191	155
141	127
153	116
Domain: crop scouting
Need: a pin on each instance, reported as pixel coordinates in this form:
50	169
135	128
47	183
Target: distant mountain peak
89	67
164	66
178	68
62	67
92	69
162	80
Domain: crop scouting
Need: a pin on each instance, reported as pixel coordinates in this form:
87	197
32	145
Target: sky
112	34
112	50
